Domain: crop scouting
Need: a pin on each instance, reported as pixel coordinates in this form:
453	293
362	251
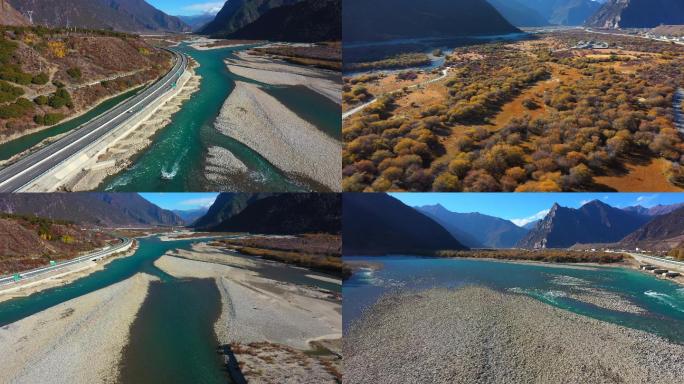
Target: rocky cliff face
638	14
594	222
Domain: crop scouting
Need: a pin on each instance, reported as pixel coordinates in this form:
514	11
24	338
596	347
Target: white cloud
645	199
199	202
584	202
211	7
526	220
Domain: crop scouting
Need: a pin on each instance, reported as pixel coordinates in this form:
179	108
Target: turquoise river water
662	301
176	159
172	338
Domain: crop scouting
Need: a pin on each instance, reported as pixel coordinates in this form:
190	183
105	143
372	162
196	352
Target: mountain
486	231
226	206
376	224
519	14
103	209
287	213
638	14
236	14
531	225
663	232
119	15
594	222
306	21
655	210
189	216
10	16
197	22
563	12
380	20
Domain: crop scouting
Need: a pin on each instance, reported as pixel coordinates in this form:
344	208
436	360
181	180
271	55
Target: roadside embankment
114	152
292	144
276	72
62	276
78	341
478	335
268	324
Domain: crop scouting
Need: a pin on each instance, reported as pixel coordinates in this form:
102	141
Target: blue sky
187	7
181	201
522	208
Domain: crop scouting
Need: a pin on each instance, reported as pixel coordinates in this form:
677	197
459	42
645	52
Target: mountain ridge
593	222
97	208
119	15
379	224
487	231
637	14
383	20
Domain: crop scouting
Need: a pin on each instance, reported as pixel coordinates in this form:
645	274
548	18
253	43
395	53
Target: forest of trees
543	255
592	126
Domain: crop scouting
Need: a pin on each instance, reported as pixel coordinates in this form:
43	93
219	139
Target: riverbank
276	72
119	156
61	277
78	341
268	324
207	44
261	122
478	335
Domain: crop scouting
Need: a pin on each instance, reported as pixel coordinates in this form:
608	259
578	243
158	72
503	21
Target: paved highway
23	172
39	271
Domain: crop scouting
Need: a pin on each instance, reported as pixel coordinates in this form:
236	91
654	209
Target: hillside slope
226	206
306	21
594	222
375	223
10	16
638	14
394	19
103	209
287	213
236	14
489	231
117	15
30	242
47	75
563	12
519	14
663	232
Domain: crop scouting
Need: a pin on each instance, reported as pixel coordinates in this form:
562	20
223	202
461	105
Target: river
662	301
180	149
172	337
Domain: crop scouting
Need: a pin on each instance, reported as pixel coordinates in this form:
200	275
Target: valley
520	116
187	90
126	306
600	278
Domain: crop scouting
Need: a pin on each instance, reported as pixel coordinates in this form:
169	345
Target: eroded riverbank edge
278	330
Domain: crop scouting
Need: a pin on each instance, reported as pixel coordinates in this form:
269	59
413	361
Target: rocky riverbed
292	144
478	335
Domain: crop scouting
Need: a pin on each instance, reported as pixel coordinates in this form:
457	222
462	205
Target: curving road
18	175
125	241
